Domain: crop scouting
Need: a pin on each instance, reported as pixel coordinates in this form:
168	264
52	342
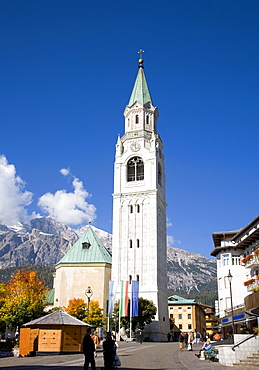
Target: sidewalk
188	359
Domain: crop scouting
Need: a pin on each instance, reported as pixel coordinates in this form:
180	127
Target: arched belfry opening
135	169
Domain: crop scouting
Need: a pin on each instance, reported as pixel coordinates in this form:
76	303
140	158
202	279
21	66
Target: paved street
160	356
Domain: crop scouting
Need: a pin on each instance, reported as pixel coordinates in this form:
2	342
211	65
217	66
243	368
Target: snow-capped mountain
45	241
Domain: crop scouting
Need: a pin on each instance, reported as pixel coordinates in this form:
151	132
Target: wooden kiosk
57	332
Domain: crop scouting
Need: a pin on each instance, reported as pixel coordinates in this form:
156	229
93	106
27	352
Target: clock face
135	146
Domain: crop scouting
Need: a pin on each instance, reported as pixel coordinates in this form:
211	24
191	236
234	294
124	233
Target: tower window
130	279
147	120
137	243
137	119
138	208
135	169
131	209
137	277
159	174
130	243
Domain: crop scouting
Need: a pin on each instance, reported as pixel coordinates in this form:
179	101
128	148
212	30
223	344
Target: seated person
206	347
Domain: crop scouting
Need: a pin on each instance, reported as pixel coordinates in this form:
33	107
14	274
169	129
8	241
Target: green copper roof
140	92
82	252
176	299
50	296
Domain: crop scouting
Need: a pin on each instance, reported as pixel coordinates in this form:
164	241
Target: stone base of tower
157	331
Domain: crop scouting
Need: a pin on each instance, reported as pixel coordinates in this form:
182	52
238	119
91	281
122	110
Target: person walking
168	336
185	339
88	350
181	339
96	341
109	351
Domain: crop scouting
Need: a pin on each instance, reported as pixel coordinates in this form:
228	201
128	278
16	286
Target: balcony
252	303
253	262
253	286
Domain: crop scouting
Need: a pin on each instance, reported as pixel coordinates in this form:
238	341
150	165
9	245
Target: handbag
116	361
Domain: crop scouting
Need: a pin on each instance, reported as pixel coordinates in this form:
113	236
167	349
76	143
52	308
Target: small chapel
86	265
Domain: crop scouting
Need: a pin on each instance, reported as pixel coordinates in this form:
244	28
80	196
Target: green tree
77	308
94	316
146	313
23	300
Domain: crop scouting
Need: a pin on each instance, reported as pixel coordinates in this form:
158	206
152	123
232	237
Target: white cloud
65	171
171	242
13	198
69	208
168	222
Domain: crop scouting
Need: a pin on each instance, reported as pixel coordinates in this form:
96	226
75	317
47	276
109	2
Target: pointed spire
140	92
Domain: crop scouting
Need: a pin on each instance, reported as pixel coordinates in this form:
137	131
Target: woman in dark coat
109	351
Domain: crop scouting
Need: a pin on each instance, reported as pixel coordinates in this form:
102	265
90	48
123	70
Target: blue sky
67	72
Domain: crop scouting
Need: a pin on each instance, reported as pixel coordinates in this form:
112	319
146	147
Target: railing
243	341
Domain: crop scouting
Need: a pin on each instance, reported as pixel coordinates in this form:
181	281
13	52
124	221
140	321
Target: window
179	308
189	326
180	326
131	209
130	279
189	316
137	277
137	243
159	174
226	259
180	316
135	169
147	120
220	283
226	282
138	208
235	259
137	119
189	308
171	316
130	243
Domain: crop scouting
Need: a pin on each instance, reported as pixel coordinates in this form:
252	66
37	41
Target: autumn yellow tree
23	299
94	316
77	308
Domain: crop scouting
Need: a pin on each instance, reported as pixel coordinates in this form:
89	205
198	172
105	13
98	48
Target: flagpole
131	313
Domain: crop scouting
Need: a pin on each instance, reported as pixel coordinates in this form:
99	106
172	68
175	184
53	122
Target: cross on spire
141	51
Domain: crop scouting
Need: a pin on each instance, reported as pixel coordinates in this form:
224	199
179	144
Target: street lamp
88	294
229	276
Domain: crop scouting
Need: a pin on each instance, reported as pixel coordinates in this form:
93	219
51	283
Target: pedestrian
181	339
88	349
109	351
96	341
140	338
168	336
197	337
185	339
190	340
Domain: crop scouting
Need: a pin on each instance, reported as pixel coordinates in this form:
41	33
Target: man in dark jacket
89	349
109	351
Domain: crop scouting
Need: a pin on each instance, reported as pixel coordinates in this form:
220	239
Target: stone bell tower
139	249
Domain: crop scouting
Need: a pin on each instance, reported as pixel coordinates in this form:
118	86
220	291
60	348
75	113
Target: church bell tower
139	250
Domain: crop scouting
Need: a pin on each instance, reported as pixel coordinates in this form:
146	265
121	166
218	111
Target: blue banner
111	298
134	297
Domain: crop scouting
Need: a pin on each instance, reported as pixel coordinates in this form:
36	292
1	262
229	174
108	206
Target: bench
211	356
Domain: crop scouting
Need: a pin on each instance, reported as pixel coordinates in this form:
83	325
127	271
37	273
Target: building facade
186	314
139	248
236	253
